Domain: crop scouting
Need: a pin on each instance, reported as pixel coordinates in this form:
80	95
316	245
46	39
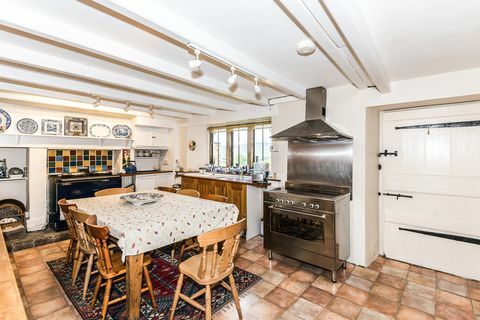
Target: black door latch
397	195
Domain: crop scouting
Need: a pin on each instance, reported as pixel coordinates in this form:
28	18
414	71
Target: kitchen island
241	191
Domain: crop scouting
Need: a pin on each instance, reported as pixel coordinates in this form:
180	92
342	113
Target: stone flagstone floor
290	290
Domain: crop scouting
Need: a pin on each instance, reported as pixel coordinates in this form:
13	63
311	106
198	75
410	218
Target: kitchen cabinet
235	192
150	136
145	182
189	183
164	179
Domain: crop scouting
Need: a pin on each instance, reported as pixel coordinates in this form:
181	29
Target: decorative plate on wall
77	127
5	119
27	126
122	131
51	127
100	130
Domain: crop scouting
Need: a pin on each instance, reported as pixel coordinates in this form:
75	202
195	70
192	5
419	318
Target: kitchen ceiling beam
349	19
47	101
183	32
310	20
16	91
16	75
70	69
68	37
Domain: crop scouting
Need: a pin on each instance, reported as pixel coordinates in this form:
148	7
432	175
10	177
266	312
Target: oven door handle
323	216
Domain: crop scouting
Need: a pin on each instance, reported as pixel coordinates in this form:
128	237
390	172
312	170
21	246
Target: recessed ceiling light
305	47
233	78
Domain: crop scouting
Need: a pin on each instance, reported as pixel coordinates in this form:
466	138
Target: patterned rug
164	278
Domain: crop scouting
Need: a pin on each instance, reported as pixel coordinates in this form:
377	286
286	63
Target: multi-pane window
219	147
240	145
263	142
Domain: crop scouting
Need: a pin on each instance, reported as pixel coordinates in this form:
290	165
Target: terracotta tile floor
291	290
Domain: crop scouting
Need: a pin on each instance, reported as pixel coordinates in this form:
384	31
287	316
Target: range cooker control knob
278	200
311	206
304	204
281	200
317	206
288	201
291	202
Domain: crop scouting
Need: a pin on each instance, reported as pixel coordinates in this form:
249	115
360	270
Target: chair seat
191	266
119	267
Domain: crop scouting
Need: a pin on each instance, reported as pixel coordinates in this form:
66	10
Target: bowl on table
141	198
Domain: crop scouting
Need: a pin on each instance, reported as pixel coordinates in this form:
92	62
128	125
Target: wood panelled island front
234	188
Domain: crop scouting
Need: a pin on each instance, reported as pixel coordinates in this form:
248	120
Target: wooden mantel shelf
34	140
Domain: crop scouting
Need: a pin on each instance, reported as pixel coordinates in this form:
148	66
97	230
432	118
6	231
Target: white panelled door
440	169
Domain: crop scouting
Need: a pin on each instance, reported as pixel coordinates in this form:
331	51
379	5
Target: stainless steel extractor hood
314	128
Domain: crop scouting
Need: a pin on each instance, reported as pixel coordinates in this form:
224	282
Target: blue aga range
75	187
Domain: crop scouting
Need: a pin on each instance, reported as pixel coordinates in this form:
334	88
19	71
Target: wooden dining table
140	229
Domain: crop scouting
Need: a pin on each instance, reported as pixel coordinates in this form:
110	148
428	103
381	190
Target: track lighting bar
234	69
128	105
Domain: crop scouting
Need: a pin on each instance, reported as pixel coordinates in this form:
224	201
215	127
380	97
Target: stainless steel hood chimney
314	128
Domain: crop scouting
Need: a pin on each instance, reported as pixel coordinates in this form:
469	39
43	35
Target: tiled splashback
68	161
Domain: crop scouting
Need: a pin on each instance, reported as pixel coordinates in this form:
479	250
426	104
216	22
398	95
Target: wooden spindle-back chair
215	197
112	191
110	266
191	244
167	189
72	233
189	192
211	267
86	246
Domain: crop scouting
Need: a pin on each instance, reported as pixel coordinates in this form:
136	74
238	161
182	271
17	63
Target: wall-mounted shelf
13	179
25	140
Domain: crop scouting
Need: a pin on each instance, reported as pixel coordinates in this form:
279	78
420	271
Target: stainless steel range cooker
308	219
308	223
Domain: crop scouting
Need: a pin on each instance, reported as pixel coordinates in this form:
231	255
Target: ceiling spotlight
127	106
305	47
150	111
256	87
233	78
195	63
96	103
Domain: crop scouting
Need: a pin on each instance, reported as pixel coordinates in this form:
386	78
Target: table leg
134	285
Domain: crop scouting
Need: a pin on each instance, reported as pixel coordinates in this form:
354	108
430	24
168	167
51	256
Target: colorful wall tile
70	161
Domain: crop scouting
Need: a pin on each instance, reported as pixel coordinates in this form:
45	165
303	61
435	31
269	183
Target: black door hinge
379	167
386	153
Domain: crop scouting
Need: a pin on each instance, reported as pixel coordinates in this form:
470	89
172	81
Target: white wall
18	112
37	159
196	129
347	108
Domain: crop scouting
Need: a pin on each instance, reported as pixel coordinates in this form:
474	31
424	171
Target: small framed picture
51	127
77	127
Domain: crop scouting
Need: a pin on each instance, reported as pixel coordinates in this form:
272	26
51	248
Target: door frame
373	120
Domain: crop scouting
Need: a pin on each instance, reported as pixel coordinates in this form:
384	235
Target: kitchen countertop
226	178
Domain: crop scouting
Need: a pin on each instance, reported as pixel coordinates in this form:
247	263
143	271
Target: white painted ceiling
420	38
135	51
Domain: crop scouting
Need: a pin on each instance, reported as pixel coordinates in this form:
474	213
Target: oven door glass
299	225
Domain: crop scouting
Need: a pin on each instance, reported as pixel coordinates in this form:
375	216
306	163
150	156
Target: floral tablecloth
144	228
